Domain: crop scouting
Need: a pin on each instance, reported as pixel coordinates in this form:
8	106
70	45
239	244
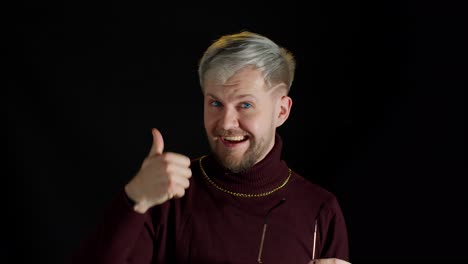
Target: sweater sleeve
123	236
333	235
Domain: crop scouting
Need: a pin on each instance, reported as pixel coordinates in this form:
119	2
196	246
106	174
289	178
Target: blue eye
215	103
246	105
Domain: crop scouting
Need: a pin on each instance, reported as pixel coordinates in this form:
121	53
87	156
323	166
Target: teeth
238	138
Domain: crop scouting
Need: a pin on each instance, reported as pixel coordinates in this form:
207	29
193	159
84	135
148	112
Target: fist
162	176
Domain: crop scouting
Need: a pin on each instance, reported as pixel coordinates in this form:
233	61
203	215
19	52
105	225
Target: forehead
245	81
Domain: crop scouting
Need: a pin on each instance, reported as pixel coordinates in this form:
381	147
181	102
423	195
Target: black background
377	113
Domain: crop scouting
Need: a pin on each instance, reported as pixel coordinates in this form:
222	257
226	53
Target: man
239	204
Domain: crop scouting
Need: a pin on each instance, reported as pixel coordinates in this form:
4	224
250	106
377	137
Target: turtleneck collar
264	176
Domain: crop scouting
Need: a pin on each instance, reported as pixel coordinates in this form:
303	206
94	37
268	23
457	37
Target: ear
284	107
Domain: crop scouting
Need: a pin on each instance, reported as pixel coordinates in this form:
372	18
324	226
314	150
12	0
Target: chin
235	163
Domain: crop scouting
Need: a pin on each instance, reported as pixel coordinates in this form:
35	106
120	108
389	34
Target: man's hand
161	177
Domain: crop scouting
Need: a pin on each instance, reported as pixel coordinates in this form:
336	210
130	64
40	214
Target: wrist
129	200
132	195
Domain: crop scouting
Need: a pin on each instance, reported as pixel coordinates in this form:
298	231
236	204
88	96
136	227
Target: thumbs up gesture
162	176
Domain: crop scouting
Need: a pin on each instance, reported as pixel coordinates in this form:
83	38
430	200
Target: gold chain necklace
246	195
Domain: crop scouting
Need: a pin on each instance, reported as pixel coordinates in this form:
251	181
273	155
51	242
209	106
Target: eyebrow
241	96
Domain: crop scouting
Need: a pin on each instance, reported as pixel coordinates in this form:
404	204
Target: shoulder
313	192
307	187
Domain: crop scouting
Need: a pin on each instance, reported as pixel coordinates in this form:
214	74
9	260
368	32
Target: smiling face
241	116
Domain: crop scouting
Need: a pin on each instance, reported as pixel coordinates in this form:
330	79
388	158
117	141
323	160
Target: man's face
241	117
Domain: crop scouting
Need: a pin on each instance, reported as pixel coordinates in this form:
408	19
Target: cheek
254	123
209	120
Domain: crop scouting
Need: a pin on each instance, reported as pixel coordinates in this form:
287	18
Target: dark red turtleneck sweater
209	225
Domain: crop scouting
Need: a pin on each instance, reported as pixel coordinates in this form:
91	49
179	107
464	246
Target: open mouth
232	140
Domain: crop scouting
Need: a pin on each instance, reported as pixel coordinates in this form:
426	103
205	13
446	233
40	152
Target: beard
236	165
258	148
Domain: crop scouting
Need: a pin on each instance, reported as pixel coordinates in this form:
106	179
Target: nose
229	118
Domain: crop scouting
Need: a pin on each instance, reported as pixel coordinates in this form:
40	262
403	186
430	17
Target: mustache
230	133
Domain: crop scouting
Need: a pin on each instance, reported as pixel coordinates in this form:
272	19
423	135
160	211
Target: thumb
158	143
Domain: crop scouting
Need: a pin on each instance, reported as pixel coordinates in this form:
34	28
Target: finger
180	181
158	143
177	158
170	195
174	171
178	192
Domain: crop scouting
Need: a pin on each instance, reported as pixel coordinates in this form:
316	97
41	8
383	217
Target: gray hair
230	53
